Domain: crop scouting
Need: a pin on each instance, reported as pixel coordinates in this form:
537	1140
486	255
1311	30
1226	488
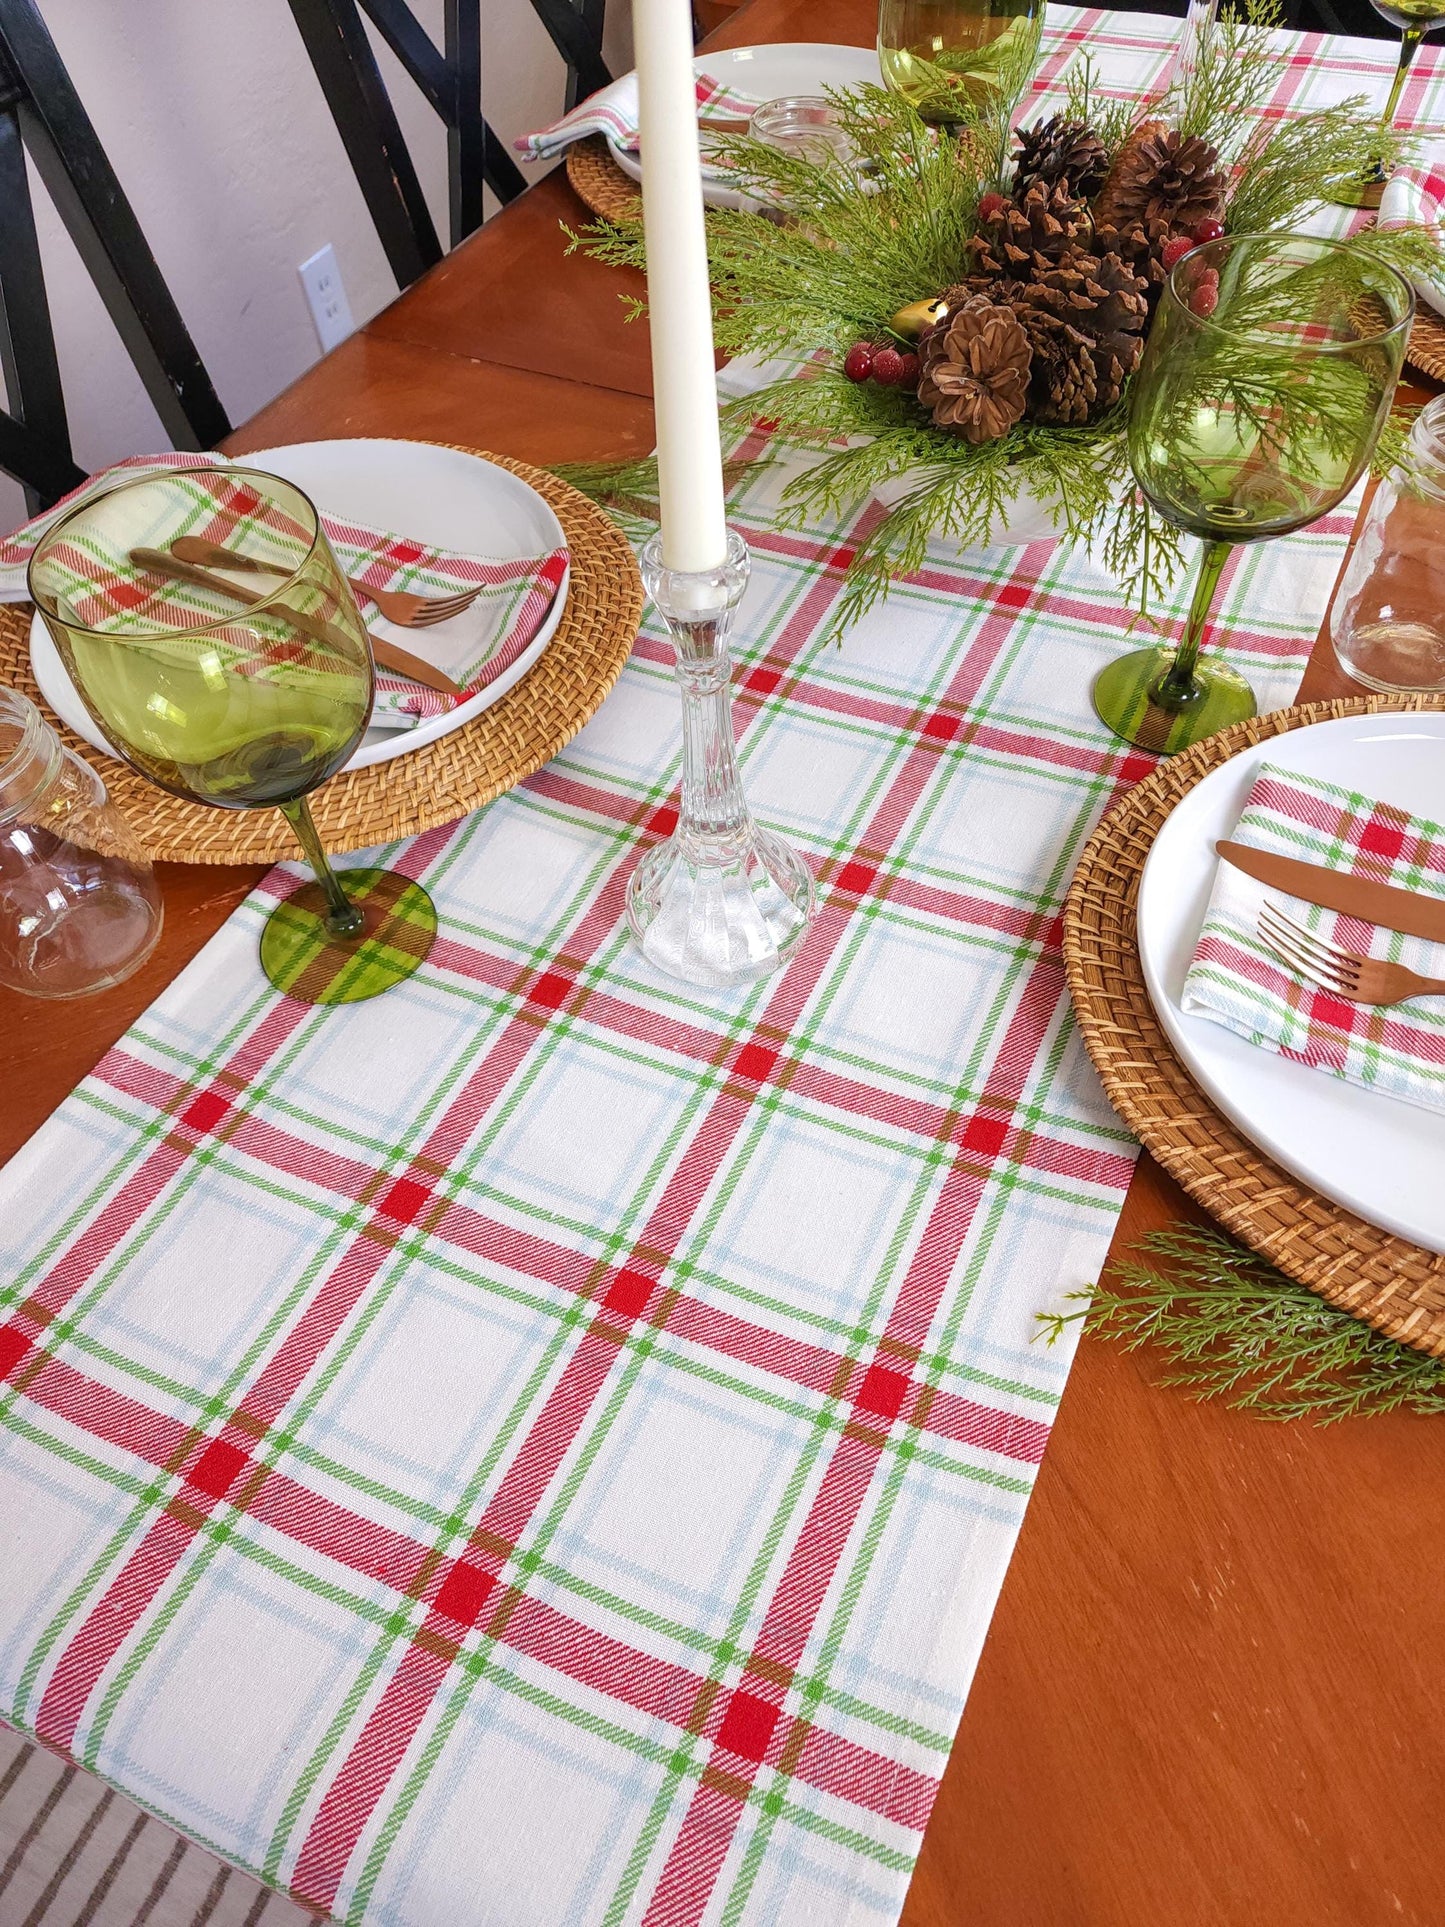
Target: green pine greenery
851	247
1235	1328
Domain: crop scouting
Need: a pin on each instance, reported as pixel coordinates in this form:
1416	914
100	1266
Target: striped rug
75	1854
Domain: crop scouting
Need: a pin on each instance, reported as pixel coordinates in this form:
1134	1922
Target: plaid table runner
1237	980
545	1446
106	591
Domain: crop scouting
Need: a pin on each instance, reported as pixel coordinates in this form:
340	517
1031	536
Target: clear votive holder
79	907
803	124
1388	616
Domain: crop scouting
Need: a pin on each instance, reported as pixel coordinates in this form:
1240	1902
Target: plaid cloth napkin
613	112
1416	192
1236	980
473	648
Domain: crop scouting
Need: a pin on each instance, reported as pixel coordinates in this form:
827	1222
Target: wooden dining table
1208	1693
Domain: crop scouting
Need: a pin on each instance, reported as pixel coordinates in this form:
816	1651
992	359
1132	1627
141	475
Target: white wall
214	122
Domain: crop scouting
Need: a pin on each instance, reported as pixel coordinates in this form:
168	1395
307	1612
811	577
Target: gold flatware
1384	904
1359	980
401	606
386	654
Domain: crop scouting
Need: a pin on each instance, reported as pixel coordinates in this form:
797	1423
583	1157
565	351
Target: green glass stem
1409	46
1177	688
343	919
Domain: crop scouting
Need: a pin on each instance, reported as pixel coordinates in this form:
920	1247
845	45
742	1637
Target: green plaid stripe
586	1472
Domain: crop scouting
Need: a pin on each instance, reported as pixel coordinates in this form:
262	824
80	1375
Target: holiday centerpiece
961	311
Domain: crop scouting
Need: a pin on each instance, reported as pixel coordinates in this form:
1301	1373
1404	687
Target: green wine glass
1266	379
1415	19
951	58
243	695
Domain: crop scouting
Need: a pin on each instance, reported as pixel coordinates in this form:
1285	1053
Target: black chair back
450	79
41	111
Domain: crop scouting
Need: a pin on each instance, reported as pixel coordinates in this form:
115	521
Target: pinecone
1099	295
1075	378
1004	291
1162	176
1060	151
1085	322
1064	385
976	365
1026	237
1138	247
972	152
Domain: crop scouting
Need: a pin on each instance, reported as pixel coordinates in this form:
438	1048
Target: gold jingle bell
919	316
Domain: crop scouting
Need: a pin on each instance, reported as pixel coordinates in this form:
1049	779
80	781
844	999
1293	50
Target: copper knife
386	654
1353	896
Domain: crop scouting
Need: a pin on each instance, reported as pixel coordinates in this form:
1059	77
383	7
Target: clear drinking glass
1266	379
233	694
802	124
1388	618
935	51
79	907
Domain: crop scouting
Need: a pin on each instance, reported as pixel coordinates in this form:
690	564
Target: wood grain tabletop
1209	1693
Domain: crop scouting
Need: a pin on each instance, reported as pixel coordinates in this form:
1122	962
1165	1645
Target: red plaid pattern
1237	980
545	1445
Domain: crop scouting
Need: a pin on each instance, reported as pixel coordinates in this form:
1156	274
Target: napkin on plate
473	648
613	112
1237	981
1416	192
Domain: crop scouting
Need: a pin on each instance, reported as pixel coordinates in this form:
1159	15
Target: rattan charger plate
1427	343
442	780
1380	1278
600	182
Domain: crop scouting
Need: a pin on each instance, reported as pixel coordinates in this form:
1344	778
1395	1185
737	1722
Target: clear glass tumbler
79	907
1388	617
803	124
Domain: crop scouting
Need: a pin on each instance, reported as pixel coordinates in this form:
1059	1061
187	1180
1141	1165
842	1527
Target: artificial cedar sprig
1233	1327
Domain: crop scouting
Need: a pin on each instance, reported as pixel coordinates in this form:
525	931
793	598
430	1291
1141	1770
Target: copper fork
1359	980
401	606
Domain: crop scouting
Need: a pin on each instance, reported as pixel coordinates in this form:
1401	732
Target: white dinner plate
768	73
438	495
1380	1158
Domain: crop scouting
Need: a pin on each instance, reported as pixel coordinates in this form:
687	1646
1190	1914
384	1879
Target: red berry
990	206
1205	299
909	376
1210	230
888	367
1175	249
859	363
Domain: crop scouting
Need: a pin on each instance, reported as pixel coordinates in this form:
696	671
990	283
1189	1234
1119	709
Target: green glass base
306	960
1368	191
1125	698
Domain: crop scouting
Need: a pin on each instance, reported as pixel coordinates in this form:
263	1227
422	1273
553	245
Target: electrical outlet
326	297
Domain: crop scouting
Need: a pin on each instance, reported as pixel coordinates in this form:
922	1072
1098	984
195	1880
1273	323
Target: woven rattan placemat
442	780
1379	1278
1427	344
600	182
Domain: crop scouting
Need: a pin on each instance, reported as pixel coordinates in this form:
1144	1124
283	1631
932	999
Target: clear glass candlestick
721	901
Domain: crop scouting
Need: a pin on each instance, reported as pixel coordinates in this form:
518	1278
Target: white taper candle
689	452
